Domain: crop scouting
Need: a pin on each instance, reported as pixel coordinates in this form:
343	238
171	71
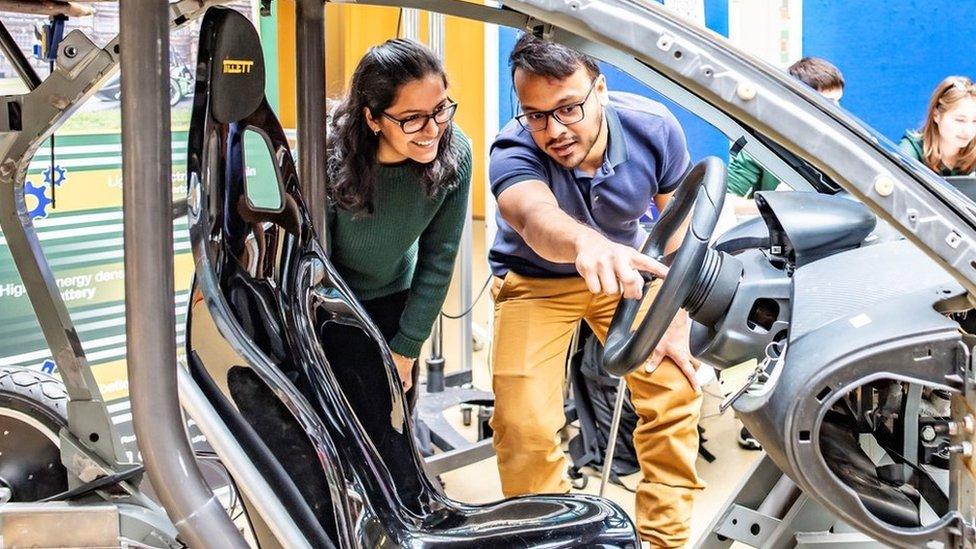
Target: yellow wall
352	29
286	63
465	62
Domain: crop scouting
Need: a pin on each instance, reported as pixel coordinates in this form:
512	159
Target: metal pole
310	53
17	59
435	32
464	268
411	23
252	484
612	443
780	499
148	243
435	362
461	349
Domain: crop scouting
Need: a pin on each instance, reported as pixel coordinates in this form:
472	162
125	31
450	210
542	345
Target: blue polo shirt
646	155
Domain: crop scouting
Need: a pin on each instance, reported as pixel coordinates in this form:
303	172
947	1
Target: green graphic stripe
74	260
25	337
71	147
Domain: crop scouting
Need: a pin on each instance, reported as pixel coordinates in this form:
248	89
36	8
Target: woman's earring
376	132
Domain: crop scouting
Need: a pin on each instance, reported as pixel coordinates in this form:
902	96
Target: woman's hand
404	366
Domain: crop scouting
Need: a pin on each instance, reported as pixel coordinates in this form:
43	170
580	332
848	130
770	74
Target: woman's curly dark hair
352	145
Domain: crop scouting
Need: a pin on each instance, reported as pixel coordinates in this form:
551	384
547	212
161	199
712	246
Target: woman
947	141
399	178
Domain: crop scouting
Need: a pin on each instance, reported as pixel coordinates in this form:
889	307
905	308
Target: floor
479	482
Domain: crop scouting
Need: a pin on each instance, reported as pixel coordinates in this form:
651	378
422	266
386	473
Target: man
745	175
572	174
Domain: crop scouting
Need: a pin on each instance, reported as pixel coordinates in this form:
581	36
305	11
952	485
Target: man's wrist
585	240
681	317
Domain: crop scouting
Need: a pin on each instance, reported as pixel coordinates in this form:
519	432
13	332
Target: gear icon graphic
52	178
58	175
39	192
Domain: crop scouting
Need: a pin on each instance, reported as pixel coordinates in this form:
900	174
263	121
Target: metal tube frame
310	55
251	482
148	242
41	111
90	446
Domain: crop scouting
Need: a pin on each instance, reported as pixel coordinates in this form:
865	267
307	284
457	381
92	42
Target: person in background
399	177
946	143
745	175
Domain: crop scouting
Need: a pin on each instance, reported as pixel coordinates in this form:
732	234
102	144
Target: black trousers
356	361
357	364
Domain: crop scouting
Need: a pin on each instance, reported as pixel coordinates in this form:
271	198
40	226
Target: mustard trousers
534	323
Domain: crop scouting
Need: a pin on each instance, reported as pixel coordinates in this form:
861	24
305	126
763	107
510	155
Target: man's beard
589	146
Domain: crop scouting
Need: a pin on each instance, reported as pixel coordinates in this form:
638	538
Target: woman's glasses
417	122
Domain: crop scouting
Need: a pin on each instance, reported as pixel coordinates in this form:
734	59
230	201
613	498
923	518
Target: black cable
97	484
53	176
471	308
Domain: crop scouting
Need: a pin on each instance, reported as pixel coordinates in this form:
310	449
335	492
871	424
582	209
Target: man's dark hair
544	58
817	73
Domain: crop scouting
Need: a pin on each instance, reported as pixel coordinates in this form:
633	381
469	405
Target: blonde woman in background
946	143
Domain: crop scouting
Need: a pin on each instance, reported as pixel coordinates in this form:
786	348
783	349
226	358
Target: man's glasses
417	122
537	121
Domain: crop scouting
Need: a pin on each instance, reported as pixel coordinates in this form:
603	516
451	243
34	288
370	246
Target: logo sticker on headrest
237	66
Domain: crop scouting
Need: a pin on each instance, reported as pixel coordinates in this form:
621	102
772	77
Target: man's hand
675	344
404	366
610	268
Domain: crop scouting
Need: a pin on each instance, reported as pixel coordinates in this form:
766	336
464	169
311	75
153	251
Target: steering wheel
701	192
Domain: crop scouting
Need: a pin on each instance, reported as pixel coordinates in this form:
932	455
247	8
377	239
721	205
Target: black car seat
337	446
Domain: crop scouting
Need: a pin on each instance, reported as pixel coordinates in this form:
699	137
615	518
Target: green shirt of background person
745	175
946	143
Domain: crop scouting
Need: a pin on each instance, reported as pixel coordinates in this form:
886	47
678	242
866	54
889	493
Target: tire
175	93
33	409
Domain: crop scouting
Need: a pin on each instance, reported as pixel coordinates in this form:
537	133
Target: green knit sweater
409	242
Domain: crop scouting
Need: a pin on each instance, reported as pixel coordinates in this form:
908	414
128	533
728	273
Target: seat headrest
237	66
